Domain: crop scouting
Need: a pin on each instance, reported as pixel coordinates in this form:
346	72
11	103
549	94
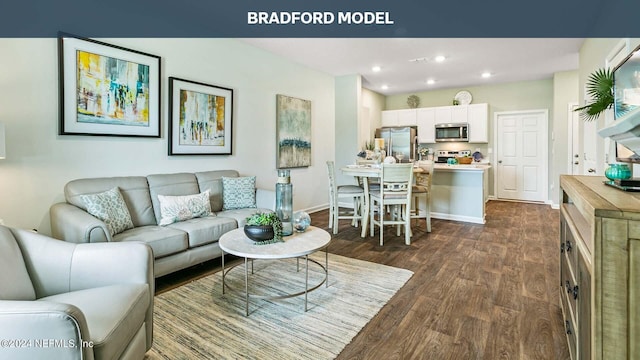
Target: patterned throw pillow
238	192
181	208
109	206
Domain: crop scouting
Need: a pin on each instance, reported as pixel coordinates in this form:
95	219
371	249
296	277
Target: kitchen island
459	192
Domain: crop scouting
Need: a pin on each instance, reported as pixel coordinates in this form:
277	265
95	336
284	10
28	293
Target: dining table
366	172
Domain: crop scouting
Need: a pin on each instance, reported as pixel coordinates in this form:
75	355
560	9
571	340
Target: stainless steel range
441	156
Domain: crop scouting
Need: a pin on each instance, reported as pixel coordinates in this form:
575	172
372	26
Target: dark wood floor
478	291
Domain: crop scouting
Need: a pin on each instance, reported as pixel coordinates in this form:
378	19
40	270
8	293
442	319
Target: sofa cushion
113	313
204	230
181	208
134	190
238	192
212	181
163	240
109	206
15	283
241	215
178	184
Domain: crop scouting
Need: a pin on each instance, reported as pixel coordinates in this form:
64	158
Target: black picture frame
201	118
107	90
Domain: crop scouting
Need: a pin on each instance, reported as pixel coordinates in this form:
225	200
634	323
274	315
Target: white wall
39	162
565	91
348	106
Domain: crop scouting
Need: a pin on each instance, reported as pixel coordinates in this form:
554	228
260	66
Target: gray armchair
60	300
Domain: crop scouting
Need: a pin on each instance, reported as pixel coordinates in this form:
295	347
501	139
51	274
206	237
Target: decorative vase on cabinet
618	171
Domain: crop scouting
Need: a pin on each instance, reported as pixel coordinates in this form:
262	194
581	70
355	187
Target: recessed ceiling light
375	68
439	58
431	82
384	87
486	74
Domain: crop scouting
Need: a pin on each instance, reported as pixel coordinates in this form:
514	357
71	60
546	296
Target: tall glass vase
284	201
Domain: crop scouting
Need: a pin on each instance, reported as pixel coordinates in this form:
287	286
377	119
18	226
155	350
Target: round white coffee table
298	245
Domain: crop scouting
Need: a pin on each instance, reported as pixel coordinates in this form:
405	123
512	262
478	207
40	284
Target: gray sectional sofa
175	246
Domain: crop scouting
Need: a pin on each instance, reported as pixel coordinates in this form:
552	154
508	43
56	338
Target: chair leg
407	224
354	221
371	213
428	219
381	216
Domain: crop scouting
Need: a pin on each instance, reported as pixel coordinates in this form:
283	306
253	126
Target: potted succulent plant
263	226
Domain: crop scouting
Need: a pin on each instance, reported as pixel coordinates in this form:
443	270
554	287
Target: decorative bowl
301	221
618	171
259	232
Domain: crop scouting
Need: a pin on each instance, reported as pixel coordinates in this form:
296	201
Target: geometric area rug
196	321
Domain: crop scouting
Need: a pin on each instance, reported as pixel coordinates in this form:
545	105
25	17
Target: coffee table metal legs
246	283
306	291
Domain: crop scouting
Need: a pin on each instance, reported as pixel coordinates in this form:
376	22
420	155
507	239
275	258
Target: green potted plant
600	90
263	226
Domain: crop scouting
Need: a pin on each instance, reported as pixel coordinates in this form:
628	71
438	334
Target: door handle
499	161
575	163
576	156
592	170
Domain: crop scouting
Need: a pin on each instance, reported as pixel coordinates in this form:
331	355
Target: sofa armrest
73	224
95	265
266	199
43	330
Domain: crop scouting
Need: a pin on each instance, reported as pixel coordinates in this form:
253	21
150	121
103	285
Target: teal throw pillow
238	192
181	208
109	206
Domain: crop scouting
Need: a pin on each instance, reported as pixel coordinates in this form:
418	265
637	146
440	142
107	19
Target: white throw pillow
180	208
109	206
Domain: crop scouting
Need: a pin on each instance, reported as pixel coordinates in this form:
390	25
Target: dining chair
355	192
395	191
422	191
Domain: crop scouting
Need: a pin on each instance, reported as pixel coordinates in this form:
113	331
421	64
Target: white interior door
589	138
522	148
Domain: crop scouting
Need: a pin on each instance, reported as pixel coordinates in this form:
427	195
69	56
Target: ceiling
506	59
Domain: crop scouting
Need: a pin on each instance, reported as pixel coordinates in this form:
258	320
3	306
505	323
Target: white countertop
471	167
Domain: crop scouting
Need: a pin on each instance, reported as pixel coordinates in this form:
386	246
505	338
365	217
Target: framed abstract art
293	132
107	89
200	118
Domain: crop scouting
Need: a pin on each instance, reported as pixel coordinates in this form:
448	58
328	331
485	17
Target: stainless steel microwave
452	132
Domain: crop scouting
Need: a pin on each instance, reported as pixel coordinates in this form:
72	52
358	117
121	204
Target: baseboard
314	209
469	219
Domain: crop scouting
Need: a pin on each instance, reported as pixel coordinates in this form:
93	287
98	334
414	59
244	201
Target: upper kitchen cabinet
443	115
476	115
405	117
426	121
478	119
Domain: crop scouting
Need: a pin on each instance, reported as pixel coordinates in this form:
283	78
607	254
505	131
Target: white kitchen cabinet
459	114
390	118
443	114
476	115
404	117
426	121
478	119
407	117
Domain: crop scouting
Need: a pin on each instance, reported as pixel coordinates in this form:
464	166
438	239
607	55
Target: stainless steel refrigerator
400	139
